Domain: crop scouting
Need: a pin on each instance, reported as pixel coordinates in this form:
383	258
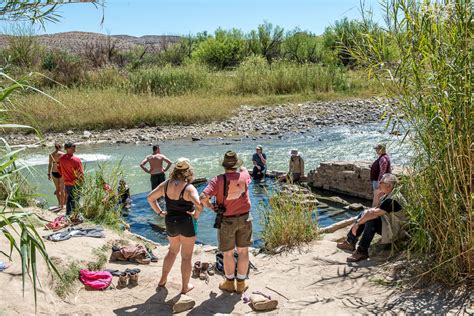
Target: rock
69	132
184	303
355	206
86	135
195	138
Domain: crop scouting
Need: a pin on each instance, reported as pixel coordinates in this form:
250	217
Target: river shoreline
248	121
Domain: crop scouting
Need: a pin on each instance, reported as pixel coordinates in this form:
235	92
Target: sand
315	280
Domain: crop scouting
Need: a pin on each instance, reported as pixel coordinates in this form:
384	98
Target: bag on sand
97	280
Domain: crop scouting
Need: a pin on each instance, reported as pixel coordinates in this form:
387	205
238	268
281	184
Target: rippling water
316	145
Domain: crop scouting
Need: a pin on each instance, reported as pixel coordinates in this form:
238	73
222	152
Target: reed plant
432	87
288	221
99	196
256	76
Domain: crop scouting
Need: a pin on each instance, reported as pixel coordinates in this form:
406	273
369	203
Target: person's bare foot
162	283
187	289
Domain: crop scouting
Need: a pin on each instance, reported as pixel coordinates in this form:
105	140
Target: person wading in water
156	170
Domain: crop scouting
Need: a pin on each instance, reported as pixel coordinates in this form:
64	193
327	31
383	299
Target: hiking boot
227	285
122	282
345	245
133	280
357	256
241	287
143	260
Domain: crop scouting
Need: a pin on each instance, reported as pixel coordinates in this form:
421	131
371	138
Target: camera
220	210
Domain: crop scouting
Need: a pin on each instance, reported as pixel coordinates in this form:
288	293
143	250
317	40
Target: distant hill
77	41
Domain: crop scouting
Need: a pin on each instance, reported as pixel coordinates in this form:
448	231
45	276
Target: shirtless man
156	166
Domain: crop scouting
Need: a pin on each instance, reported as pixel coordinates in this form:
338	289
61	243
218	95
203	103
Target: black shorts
180	225
56	174
157	179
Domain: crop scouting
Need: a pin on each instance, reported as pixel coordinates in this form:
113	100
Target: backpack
97	280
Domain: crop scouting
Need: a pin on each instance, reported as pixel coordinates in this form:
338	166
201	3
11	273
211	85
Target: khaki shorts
235	231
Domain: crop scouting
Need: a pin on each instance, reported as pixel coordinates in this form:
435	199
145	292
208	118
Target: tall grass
255	76
97	204
288	222
433	86
168	81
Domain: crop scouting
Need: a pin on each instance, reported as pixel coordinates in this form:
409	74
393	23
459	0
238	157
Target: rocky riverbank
248	121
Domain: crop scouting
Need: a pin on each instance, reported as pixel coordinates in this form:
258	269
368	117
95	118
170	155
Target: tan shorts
235	231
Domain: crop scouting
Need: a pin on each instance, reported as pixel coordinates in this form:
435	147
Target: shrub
63	68
288	222
168	81
226	49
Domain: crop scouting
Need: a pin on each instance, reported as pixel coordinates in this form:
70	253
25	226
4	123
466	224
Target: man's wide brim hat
231	160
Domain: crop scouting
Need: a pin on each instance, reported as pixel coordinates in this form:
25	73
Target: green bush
303	47
288	222
226	49
168	81
62	68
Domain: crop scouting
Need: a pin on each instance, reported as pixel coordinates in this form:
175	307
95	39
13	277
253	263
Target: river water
316	145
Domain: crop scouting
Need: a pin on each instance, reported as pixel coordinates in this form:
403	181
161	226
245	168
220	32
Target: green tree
303	47
226	49
266	41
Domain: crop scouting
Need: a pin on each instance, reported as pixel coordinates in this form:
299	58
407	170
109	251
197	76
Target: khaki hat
259	147
182	164
231	160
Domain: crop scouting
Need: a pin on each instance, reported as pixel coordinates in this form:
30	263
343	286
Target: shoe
152	257
197	269
357	256
132	276
241	287
122	282
345	245
227	285
144	260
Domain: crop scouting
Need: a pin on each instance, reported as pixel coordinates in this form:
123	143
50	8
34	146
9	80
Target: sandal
211	270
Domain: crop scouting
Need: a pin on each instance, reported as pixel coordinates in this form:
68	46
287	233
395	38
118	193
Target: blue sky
181	17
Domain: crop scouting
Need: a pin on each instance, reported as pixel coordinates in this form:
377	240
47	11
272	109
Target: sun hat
182	164
231	160
294	152
259	147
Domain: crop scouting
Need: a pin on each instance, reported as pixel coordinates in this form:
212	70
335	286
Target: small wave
43	160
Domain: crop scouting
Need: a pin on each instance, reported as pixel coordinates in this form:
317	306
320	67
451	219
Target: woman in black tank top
182	210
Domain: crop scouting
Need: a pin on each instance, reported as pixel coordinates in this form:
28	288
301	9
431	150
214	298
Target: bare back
156	163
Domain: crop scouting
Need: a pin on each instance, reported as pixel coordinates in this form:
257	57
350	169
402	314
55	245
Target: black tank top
180	206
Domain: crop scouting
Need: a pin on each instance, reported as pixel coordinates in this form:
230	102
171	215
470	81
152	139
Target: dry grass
109	108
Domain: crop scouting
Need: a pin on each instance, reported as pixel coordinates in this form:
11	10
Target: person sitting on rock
295	168
259	160
386	219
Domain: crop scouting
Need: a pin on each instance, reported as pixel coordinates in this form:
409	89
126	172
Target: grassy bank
222	93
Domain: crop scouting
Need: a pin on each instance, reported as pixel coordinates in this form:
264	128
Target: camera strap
226	189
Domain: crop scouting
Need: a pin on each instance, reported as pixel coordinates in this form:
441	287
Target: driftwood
336	226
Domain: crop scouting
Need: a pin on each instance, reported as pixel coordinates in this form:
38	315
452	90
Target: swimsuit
177	220
55	174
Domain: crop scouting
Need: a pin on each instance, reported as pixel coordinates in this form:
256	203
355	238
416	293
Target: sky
183	17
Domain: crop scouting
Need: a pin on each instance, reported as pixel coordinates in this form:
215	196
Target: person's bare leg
243	262
62	190
173	250
57	192
187	247
229	263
